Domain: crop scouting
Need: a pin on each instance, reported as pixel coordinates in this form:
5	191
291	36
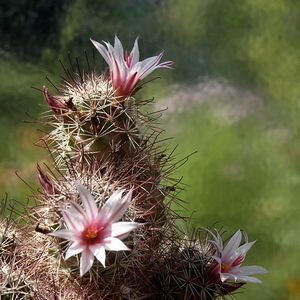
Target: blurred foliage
18	153
27	27
107	18
246	172
253	42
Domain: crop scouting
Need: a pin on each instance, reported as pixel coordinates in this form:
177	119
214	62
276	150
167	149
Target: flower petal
74	249
118	50
77	210
232	245
86	261
71	220
243	249
248	279
150	64
114	208
103	51
251	270
217	242
225	276
122	229
67	234
88	202
114	244
99	251
134	56
128	86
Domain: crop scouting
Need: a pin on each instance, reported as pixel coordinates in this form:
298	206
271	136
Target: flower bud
57	106
45	182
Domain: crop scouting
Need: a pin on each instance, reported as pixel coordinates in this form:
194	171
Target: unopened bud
45	182
57	106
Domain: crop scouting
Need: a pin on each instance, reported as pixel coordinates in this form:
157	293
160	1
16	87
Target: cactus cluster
103	140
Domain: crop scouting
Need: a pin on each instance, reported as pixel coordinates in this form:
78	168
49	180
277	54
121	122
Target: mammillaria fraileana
105	140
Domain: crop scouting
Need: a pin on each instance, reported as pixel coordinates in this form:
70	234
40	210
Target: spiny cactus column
108	196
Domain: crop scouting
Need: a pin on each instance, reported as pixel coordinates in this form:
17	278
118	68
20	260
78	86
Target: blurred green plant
17	152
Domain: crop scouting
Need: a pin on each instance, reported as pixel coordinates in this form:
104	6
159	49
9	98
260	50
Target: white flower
127	72
94	230
230	258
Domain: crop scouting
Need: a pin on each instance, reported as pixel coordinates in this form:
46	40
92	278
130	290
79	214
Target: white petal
88	201
217	258
72	220
251	270
217	242
232	245
244	249
77	211
86	261
119	51
149	65
248	279
114	244
115	207
67	234
166	64
122	229
103	51
73	250
99	252
135	53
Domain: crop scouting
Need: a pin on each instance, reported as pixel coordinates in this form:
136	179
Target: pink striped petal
233	244
86	261
115	207
88	202
74	249
71	220
68	234
103	51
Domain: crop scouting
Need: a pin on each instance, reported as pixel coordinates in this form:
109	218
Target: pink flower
94	230
227	264
127	72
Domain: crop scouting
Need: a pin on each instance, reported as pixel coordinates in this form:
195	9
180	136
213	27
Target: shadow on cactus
103	227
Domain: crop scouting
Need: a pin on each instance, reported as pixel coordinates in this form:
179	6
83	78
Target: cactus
104	143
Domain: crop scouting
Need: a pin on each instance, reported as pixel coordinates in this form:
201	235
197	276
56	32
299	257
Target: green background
233	97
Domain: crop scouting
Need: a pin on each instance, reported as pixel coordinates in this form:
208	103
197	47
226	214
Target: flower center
92	232
224	268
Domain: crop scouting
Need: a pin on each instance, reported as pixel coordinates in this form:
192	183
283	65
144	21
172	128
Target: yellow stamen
224	268
91	233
